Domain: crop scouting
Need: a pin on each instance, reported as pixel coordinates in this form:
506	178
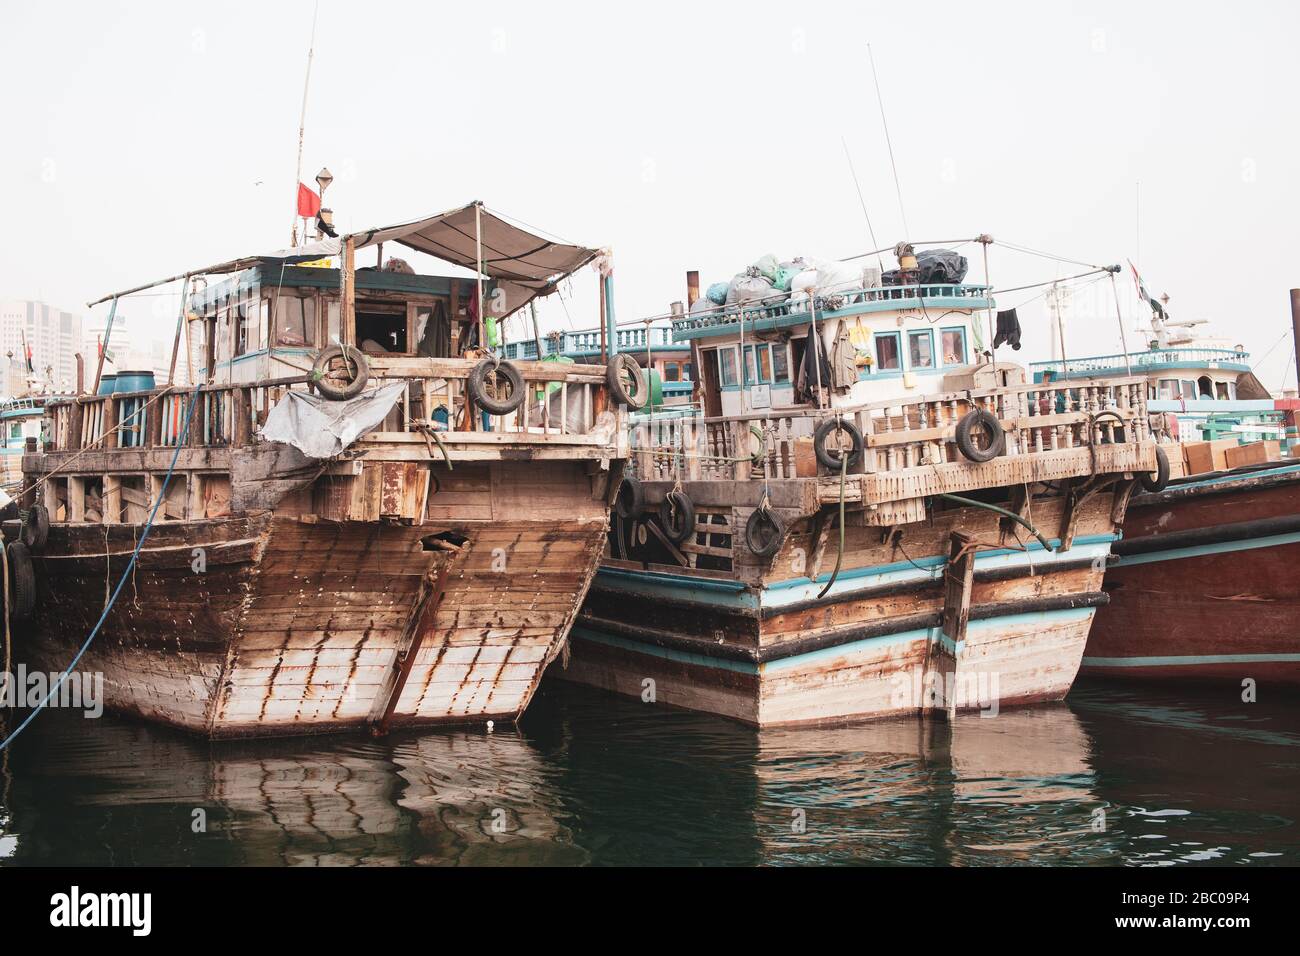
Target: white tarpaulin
320	428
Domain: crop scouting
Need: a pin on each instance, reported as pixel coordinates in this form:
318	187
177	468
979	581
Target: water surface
1119	774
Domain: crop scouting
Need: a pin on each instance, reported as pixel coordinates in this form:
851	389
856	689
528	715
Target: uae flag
1156	306
308	202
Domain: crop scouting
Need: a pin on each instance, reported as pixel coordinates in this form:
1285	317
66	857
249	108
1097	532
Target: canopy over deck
525	265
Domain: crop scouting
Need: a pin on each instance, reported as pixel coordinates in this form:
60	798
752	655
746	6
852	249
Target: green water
1119	774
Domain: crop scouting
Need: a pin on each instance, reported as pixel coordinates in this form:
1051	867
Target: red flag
308	202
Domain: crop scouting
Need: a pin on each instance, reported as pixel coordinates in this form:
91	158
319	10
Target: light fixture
323	179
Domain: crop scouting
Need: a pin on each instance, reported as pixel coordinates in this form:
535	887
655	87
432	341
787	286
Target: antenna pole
302	124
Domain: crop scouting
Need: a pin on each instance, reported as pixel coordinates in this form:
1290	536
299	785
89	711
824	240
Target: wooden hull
1207	584
758	645
278	624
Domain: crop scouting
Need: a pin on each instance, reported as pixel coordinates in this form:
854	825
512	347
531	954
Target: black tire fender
980	418
476	383
629	501
759	520
677	516
22	581
1160	479
36	529
624	364
332	390
829	459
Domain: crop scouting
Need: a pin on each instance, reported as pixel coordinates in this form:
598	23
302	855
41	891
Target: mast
302	124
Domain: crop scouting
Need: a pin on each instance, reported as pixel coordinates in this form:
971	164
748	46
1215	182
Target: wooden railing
897	433
562	400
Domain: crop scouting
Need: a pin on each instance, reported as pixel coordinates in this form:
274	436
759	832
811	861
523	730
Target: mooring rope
54	689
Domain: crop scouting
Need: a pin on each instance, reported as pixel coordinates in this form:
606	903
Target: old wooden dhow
427	571
855	549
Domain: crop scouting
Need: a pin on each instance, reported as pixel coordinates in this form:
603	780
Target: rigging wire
883	122
858	186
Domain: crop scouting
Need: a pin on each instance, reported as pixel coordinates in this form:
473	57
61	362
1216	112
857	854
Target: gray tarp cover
320	428
524	265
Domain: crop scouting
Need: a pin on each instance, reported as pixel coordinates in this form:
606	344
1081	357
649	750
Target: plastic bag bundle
765	267
752	289
838	277
706	304
717	293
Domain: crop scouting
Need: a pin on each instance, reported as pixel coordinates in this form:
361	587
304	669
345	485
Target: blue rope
180	443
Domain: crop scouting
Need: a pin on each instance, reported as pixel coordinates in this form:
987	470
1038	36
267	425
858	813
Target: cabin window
240	315
332	324
221	352
954	346
1221	390
381	328
1189	390
887	357
758	365
295	320
672	372
920	349
1169	388
780	362
727	367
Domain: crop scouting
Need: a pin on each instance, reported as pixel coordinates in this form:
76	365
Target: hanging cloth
1008	329
844	368
815	367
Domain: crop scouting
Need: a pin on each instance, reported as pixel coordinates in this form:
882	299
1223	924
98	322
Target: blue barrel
107	384
132	409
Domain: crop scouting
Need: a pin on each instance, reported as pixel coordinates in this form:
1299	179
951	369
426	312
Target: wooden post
103	346
348	301
176	339
958	581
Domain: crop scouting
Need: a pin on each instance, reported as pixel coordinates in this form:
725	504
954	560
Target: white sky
685	136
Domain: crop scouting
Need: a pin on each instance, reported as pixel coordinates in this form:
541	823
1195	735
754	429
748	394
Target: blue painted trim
667	653
935	561
707	584
1200	551
1239	476
1191	660
1211	405
825	653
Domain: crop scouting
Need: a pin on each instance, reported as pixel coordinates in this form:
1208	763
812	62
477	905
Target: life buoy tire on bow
355	366
504	374
22	581
974	421
677	516
626	381
832	459
764	532
1158	480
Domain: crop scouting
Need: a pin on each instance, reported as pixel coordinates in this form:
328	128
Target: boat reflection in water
1118	774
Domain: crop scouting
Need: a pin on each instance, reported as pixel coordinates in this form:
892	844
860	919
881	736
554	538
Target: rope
1047	545
54	689
839	556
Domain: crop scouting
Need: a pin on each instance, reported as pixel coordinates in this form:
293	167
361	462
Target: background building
53	334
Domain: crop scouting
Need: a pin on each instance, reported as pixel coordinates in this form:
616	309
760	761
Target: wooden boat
749	577
427	572
1206	582
1204	585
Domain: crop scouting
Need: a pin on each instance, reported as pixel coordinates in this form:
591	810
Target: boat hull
760	646
1207	583
264	624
